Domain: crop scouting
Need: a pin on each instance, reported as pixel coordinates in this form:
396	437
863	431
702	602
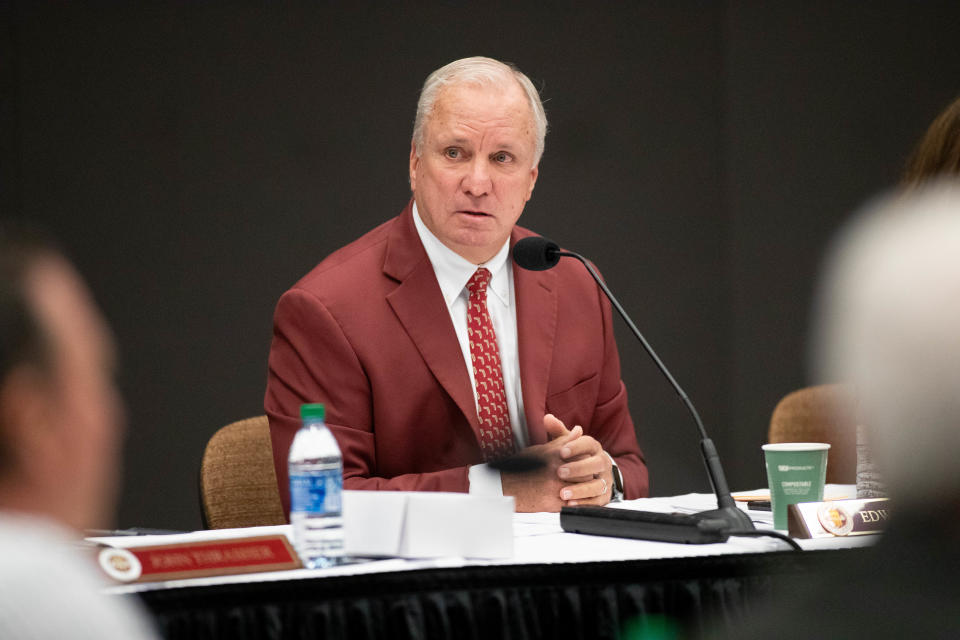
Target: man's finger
554	426
586	445
571	436
583	468
597	488
599	501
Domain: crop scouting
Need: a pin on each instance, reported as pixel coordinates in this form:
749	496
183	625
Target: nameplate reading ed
837	518
199	559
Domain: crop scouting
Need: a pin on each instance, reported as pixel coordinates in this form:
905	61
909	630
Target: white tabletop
538	539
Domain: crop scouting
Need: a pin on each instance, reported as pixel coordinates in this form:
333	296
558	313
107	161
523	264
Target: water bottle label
317	492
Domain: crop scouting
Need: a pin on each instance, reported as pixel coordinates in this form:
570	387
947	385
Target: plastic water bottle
316	490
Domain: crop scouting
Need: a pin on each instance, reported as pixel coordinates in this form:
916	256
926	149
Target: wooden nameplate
837	518
160	562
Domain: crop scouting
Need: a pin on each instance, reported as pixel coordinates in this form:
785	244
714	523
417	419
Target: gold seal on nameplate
835	519
120	564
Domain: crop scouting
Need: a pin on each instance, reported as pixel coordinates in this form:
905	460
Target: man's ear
26	415
414	163
533	181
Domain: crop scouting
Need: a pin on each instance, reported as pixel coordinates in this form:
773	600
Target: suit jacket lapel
419	305
536	296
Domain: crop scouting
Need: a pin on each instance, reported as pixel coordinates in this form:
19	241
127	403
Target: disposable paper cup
796	472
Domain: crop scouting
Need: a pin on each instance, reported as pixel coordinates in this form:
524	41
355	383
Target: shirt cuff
484	481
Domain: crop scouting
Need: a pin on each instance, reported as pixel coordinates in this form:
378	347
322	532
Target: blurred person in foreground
887	323
60	428
938	152
434	354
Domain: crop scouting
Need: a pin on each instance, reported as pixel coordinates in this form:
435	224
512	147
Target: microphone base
734	518
706	527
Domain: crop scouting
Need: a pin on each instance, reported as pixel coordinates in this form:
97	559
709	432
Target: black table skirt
592	600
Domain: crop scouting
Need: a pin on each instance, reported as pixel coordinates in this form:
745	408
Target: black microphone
538	254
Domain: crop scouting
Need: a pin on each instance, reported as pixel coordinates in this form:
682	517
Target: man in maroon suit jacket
369	332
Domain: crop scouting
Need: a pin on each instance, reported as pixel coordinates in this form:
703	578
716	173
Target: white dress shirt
453	272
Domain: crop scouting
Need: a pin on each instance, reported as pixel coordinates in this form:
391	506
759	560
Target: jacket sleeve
312	360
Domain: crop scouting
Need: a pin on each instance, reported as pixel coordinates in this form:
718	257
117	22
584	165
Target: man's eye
501	157
452	153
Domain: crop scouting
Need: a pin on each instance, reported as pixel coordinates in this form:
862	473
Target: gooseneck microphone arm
537	253
718	481
636	332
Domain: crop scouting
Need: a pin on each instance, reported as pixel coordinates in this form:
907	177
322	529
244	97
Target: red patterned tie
496	436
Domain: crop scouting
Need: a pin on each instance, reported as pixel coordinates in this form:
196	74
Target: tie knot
478	281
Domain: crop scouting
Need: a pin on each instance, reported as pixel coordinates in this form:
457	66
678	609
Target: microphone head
536	253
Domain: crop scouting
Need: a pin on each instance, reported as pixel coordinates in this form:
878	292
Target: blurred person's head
938	152
888	323
60	415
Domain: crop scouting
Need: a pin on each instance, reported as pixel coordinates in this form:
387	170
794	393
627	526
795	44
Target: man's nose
477	180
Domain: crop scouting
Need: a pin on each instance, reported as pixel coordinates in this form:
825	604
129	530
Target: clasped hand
576	472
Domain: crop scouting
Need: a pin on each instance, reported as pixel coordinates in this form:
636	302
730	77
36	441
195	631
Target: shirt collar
454	271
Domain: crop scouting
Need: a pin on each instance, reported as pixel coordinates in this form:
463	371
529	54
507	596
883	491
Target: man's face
84	419
475	172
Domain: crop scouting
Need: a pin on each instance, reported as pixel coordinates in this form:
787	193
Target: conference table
555	585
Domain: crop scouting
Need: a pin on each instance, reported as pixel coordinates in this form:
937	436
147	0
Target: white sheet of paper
456	524
373	523
427	524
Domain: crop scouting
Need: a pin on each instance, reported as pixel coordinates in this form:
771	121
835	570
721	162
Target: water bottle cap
314	410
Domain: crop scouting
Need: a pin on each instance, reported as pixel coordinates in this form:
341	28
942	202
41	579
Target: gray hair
888	323
484	72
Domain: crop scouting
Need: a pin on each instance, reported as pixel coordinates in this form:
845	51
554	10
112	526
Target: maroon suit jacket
367	333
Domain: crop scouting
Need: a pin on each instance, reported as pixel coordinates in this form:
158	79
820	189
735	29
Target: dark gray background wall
195	160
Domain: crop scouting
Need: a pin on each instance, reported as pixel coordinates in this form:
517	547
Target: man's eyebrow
457	141
505	145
